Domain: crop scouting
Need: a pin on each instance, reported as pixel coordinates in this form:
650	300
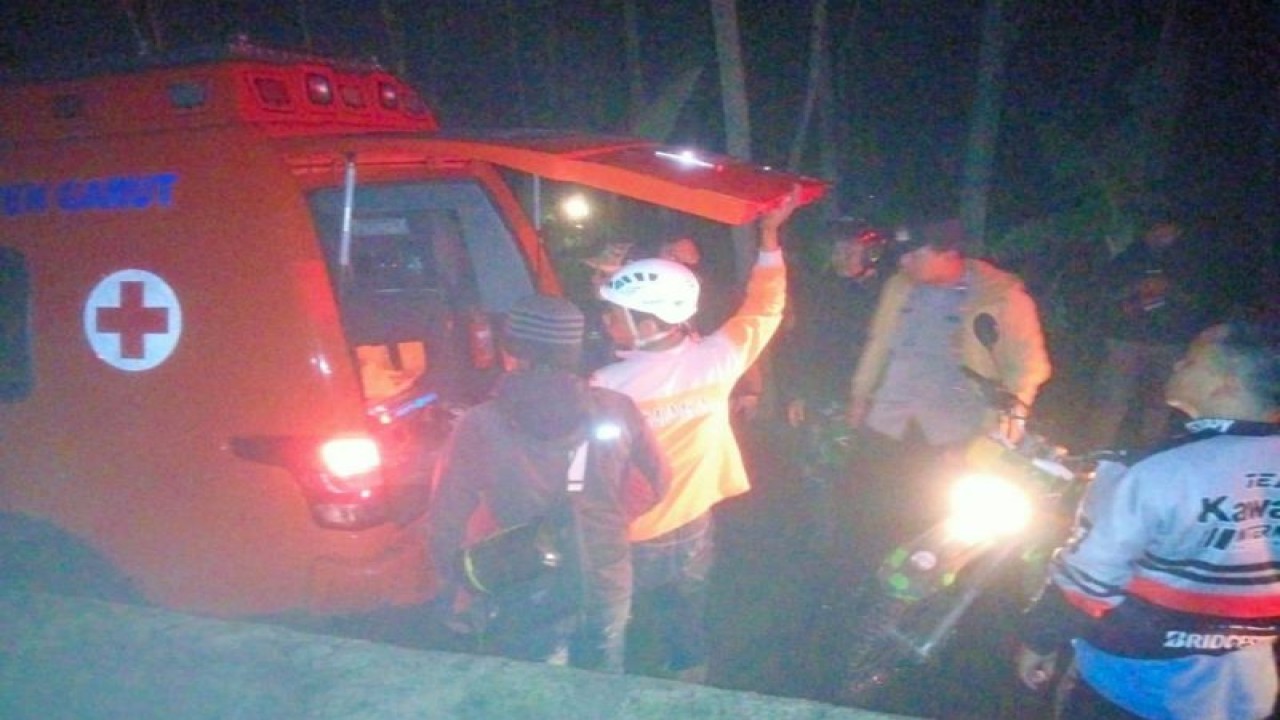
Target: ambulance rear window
432	265
16	377
442	237
419	250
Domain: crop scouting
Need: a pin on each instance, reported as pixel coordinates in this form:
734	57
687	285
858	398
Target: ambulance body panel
261	352
209	284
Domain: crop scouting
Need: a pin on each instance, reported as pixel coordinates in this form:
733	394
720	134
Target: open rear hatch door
714	187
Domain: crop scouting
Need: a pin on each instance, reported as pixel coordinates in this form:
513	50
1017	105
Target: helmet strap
643	342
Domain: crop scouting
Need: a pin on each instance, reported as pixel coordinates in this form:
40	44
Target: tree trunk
151	11
635	68
737	119
830	122
733	84
140	35
304	24
984	124
818	73
850	153
1159	108
556	104
394	28
517	63
144	20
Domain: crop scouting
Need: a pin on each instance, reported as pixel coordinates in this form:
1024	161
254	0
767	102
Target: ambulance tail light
349	462
341	477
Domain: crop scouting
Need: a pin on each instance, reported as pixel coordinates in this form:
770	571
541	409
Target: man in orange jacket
682	383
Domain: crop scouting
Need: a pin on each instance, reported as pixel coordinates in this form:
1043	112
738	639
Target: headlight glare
987	507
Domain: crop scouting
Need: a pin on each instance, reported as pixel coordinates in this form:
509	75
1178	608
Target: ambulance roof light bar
286	92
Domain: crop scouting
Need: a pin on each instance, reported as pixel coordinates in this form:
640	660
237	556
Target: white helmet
663	288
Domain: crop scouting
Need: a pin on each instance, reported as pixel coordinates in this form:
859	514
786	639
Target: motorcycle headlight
987	507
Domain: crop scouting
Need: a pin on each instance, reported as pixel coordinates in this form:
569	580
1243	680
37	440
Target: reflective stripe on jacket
1172	583
1179	554
1194	528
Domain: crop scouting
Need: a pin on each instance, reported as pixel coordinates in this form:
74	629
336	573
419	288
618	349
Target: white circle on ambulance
133	320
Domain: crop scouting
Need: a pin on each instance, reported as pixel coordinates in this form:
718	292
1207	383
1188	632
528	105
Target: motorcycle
1010	507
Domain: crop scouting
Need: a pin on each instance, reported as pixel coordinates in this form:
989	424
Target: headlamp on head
858	249
606	431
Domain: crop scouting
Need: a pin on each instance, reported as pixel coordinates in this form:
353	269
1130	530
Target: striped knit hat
545	329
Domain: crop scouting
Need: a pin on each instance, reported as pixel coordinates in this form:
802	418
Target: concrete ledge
70	658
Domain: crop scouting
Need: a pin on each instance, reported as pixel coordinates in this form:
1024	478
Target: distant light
576	208
685	157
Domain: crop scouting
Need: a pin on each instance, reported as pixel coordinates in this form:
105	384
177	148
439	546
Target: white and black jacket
1177	554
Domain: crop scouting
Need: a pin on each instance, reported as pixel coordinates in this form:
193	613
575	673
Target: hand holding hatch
773	220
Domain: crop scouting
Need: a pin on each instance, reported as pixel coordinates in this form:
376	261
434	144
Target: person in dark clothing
549	446
834	296
833	307
1152	310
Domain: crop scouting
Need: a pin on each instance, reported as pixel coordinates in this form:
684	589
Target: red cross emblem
133	320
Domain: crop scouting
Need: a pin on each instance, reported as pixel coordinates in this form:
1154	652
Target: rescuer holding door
682	384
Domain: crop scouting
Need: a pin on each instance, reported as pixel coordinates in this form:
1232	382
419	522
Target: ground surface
66	658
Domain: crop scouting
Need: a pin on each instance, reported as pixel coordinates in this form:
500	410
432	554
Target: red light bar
388	95
272	92
352	96
319	89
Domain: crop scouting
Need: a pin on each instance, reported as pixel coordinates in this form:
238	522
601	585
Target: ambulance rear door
709	186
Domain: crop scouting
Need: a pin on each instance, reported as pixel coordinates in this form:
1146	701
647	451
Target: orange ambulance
242	293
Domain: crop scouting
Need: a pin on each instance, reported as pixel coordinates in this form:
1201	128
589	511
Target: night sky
905	75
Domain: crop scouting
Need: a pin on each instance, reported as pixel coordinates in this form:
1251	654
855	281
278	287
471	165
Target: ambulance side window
16	376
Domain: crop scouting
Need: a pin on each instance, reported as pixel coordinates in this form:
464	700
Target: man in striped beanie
546	332
550	447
